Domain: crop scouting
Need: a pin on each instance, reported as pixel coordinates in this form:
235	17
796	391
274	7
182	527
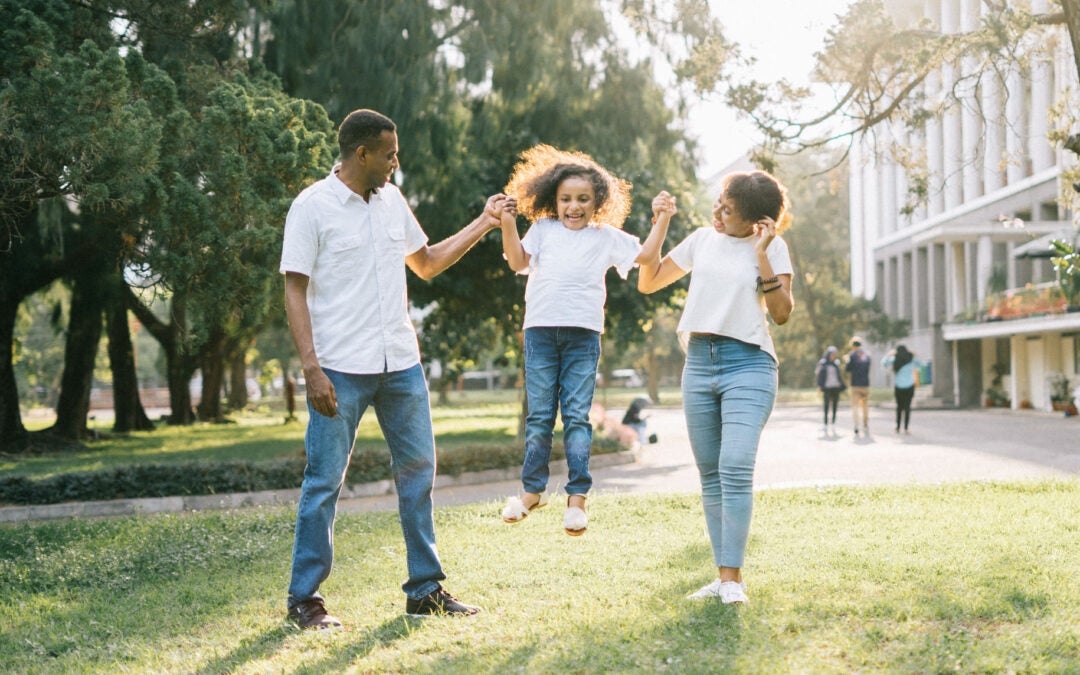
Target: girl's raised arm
515	254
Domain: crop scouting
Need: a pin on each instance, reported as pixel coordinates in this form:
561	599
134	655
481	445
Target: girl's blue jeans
560	374
729	388
401	404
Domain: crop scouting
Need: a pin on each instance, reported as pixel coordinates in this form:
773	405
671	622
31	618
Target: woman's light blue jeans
560	373
401	405
729	388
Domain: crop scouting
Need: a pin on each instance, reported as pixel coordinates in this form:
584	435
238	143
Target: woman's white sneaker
729	592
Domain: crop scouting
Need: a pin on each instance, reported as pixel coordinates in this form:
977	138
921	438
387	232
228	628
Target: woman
905	378
740	274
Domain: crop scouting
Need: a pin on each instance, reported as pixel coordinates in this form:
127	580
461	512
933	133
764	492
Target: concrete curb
151	505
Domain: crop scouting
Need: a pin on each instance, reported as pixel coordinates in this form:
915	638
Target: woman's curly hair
757	194
536	178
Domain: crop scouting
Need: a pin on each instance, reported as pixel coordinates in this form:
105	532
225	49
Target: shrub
207	478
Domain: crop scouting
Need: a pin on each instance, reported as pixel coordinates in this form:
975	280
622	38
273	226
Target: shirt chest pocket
346	252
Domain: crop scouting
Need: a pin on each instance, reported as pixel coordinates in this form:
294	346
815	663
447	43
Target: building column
872	223
971	122
1016	126
935	157
984	261
856	215
1042	98
956	272
953	124
994	120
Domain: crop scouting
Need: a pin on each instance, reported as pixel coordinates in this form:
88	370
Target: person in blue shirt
905	369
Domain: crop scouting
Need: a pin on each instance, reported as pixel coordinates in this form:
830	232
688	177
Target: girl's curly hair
536	178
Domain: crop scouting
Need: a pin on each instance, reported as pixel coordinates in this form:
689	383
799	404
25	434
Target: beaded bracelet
771	280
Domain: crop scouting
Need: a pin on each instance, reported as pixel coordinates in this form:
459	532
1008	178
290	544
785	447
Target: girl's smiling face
726	219
576	202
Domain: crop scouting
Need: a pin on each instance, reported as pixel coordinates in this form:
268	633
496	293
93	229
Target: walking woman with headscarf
905	378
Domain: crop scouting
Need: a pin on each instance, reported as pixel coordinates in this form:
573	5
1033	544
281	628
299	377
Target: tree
75	124
878	70
827	313
470	88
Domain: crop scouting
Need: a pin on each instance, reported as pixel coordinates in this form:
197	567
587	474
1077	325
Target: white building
990	167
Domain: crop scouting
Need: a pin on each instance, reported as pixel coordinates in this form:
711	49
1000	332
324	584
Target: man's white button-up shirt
353	253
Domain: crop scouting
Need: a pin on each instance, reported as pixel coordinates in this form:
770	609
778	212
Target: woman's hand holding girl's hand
663	204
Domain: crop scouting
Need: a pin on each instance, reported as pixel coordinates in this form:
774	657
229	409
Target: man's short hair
362	127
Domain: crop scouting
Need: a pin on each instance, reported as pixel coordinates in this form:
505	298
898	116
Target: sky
783	35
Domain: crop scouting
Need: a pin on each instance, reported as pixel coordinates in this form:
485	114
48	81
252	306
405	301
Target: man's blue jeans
401	405
560	373
729	388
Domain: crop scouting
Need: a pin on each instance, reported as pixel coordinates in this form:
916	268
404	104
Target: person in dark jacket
858	367
831	383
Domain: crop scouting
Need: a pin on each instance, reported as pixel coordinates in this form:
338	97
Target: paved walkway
944	446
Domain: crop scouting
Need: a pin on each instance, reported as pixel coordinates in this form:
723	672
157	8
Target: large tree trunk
652	370
178	365
213	376
128	409
238	397
13	435
80	351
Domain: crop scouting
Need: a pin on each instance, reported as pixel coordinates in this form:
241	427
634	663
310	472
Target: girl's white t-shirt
724	298
567	269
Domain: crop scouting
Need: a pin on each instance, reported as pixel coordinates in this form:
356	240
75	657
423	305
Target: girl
741	273
830	382
577	209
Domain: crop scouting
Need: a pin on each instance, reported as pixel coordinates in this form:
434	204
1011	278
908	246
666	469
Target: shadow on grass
384	635
252	649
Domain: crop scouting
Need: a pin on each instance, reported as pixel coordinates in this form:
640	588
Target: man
858	367
348	240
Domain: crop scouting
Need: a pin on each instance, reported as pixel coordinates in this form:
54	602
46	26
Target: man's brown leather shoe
312	614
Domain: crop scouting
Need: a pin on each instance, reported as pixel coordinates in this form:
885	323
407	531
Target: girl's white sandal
516	511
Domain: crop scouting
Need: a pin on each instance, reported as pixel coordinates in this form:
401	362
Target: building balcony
1035	308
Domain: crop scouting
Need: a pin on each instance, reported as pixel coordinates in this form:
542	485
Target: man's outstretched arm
430	261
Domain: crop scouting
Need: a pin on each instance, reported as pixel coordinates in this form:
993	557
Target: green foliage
38	353
1067	265
470	88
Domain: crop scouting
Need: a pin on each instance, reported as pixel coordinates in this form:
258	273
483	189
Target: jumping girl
577	209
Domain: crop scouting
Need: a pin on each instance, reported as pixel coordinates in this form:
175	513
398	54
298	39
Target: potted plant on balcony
1067	265
995	393
1060	394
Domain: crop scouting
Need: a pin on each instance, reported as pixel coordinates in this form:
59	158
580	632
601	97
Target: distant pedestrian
905	369
635	419
740	277
831	384
858	368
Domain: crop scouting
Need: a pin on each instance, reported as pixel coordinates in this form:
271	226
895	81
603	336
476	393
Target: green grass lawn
972	578
255	436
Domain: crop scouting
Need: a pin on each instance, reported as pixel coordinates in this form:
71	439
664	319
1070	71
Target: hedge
207	478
